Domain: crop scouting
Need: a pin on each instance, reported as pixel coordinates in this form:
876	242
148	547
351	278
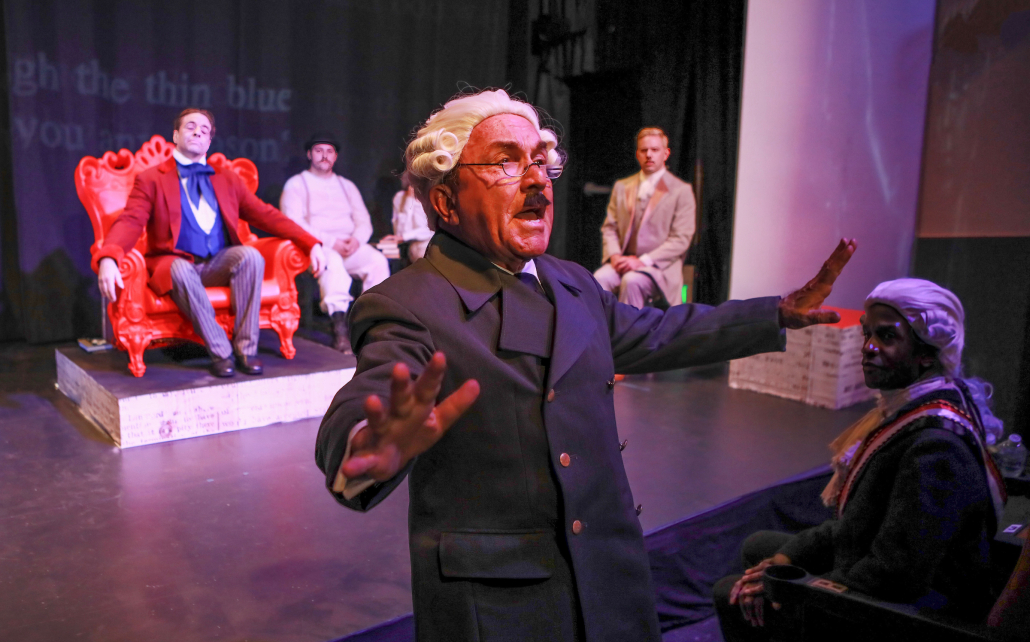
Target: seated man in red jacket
190	213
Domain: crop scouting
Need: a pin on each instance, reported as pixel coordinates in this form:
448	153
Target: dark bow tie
198	181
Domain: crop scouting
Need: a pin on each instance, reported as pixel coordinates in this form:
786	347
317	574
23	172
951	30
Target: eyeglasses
511	168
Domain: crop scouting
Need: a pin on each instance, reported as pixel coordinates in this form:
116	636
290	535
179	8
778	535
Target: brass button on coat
565	459
550	395
623	445
577	527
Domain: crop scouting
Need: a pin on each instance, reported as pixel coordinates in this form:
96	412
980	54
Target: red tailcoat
155	204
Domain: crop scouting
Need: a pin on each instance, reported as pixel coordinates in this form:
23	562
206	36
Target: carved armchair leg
285	324
136	340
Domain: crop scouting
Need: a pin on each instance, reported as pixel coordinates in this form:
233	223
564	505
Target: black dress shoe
222	368
249	364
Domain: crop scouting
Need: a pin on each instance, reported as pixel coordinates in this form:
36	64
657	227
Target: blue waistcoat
192	237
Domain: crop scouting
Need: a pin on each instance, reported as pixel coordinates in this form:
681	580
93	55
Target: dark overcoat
521	519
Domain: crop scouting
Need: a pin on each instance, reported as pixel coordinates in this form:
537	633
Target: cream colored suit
666	228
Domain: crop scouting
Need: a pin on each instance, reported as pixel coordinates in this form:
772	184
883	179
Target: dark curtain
604	117
675	65
710	133
87	76
10	283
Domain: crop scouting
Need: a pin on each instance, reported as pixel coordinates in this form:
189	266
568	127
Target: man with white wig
917	497
522	524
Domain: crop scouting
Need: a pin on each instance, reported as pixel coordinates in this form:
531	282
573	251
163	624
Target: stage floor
233	537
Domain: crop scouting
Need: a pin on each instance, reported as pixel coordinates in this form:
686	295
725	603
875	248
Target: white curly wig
436	148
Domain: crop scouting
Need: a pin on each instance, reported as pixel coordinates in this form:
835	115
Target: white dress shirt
647	187
328	208
409	219
645	190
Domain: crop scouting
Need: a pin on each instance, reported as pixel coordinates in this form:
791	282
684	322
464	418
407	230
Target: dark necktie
198	181
527	323
531	282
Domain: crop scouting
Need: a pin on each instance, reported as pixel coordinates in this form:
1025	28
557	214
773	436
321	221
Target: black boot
341	335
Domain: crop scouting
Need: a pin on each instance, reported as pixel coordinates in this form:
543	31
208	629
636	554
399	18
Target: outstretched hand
408	424
803	307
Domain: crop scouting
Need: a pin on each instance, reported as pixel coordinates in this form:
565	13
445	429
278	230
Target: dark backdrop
674	64
86	77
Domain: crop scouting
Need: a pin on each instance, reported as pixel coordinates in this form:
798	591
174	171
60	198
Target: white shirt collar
528	268
651	180
182	160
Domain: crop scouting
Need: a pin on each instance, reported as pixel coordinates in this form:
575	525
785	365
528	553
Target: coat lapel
473	277
660	190
631	207
573	323
173	196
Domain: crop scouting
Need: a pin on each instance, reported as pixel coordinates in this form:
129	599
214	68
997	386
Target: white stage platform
177	398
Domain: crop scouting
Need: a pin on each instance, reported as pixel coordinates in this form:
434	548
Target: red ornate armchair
139	318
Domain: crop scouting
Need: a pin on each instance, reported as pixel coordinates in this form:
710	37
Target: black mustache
534	201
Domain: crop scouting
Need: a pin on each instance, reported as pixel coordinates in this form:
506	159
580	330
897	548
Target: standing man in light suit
522	523
648	228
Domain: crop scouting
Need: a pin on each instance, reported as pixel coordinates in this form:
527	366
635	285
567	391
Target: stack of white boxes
821	367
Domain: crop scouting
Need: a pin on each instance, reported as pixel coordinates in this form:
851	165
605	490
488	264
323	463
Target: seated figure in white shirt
410	224
648	229
330	207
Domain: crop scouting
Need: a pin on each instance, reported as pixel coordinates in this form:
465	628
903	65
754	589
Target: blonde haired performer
648	229
522	524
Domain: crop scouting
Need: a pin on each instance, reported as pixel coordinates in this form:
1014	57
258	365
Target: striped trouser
240	267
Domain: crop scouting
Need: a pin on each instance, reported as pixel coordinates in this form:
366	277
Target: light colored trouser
367	264
633	288
240	267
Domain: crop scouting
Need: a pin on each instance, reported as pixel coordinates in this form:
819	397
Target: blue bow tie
198	181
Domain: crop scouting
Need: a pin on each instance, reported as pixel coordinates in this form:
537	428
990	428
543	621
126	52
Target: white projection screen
832	121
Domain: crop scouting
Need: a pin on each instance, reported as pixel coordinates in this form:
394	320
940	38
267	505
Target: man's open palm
803	307
408	424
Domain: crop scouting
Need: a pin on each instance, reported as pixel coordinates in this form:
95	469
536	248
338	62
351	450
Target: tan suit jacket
666	228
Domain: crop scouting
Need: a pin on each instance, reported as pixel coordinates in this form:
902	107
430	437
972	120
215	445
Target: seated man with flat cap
330	207
190	212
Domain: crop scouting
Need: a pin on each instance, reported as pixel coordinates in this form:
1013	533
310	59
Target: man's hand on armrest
748	590
803	307
407	425
109	278
318	261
